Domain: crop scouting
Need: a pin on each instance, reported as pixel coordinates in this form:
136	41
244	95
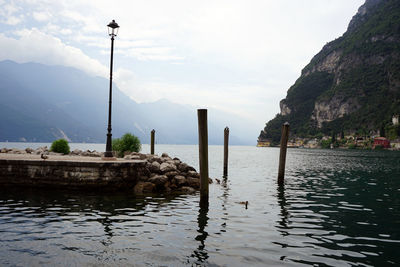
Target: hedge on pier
60	146
128	142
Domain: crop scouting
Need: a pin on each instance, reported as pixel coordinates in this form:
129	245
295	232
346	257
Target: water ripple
337	208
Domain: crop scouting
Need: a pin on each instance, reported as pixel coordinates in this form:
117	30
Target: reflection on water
347	209
284	214
337	208
201	252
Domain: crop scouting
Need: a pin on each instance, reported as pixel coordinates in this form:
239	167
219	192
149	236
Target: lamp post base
108	153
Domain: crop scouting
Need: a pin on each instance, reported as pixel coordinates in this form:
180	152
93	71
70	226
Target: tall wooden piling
203	156
152	142
226	143
282	155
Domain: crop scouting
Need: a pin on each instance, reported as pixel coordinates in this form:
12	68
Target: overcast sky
237	56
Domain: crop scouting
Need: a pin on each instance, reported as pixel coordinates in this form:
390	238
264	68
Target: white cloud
8	14
33	45
55	30
151	53
136	43
88	24
9	9
13	20
41	16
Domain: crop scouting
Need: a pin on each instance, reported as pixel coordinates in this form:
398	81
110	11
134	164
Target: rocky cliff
353	83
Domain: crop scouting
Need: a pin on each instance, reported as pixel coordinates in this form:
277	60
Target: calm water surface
337	208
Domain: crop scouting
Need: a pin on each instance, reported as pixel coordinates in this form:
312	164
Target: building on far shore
381	141
264	143
395	119
395	144
294	143
313	143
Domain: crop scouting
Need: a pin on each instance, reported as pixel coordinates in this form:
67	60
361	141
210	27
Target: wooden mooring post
282	155
203	156
153	132
226	143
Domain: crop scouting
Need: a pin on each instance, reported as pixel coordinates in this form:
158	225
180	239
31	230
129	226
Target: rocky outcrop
336	107
328	64
285	110
166	174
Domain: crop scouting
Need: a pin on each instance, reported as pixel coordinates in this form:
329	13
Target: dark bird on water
244	203
43	156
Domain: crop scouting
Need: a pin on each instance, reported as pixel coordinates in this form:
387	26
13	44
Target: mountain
41	103
353	84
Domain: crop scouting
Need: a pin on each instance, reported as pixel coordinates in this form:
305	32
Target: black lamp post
112	31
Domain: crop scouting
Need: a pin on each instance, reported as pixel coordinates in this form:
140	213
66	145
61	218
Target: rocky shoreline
153	173
165	174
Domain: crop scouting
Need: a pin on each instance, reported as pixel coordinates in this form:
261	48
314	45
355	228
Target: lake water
337	208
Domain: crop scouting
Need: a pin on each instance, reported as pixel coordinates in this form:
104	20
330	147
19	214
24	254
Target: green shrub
128	142
336	144
326	143
352	146
60	146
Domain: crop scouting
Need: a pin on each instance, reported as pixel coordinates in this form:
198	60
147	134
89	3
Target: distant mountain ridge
41	103
353	84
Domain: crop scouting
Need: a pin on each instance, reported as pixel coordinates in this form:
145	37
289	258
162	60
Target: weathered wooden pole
203	156
152	142
226	143
282	155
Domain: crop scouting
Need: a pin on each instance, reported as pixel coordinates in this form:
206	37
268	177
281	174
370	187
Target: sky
238	56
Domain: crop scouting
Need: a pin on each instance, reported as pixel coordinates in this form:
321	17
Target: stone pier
140	173
70	172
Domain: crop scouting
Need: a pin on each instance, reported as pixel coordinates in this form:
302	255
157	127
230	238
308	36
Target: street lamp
112	31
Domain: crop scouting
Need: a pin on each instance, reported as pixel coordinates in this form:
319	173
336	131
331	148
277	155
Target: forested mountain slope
353	84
